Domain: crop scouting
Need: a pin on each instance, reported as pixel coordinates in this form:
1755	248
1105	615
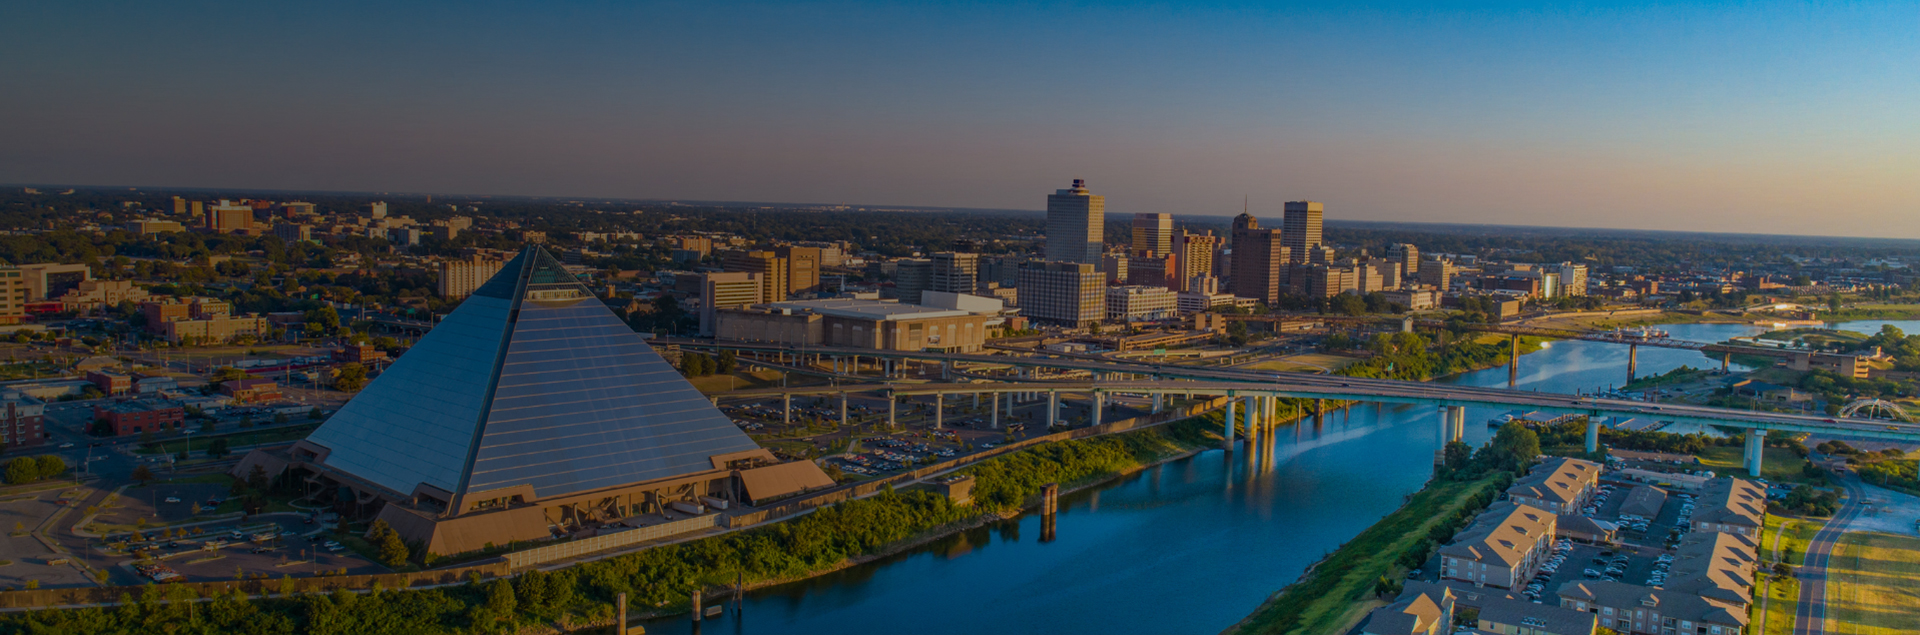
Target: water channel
1191	546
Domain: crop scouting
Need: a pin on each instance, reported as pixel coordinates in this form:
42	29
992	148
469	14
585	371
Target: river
1191	546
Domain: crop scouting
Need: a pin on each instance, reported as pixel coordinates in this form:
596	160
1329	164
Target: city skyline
1691	118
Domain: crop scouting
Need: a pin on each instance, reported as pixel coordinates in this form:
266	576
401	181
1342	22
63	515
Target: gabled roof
1502	535
531	381
1731	501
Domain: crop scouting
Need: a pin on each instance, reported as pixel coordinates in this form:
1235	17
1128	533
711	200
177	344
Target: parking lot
1579	562
269	545
28	557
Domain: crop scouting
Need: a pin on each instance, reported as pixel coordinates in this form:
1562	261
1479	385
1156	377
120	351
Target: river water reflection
1191	546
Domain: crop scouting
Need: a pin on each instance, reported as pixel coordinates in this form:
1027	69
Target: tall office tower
1435	272
1259	259
229	217
179	205
910	277
1194	253
1387	272
1408	257
771	267
1067	293
1076	220
1302	229
729	290
1152	232
803	268
375	210
955	272
1573	279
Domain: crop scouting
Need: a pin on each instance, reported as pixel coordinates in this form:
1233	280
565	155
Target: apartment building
1503	547
13	296
774	276
22	419
1709	590
1560	485
1731	505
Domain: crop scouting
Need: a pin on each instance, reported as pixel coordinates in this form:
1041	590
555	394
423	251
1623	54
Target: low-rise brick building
253	390
22	420
141	415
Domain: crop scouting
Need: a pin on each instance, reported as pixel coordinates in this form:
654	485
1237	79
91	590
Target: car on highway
172	499
64	446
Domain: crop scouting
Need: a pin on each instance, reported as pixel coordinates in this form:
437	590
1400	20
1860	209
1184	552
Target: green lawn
1783	595
1874	584
1780	465
1340	590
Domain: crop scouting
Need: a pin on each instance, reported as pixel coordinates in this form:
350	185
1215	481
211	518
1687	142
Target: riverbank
1338	591
1187	444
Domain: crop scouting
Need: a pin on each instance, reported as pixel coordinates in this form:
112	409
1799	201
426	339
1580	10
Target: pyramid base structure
531	412
738	479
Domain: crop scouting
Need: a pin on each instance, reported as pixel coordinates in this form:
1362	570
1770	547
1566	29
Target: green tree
725	363
1513	448
393	550
141	474
351	378
51	466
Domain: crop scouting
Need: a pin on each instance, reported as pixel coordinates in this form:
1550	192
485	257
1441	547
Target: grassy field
1339	591
1305	361
1874	585
1783	595
1781	464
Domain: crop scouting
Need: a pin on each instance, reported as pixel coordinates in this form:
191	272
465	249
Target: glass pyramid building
532	395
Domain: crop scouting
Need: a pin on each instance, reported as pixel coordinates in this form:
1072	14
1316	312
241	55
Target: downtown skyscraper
1076	221
1300	231
1152	232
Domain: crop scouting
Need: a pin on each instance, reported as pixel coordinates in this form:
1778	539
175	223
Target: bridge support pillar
1053	408
1513	360
939	410
1456	423
1593	432
893	411
1250	416
1446	426
976	401
1158	402
1726	363
1227	443
843	409
1319	411
1099	404
786	408
996	411
1756	451
1633	360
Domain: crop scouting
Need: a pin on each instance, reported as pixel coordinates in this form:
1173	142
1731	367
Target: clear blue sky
1766	117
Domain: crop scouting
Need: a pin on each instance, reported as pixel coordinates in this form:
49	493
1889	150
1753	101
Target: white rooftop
867	309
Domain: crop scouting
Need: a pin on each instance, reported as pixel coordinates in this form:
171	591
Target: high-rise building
1066	293
1076	222
1435	272
955	272
1194	256
910	277
1573	279
229	217
1408	257
13	295
1301	230
1113	265
803	268
1158	270
1259	259
458	278
375	210
728	290
199	208
293	232
1152	232
771	267
179	205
